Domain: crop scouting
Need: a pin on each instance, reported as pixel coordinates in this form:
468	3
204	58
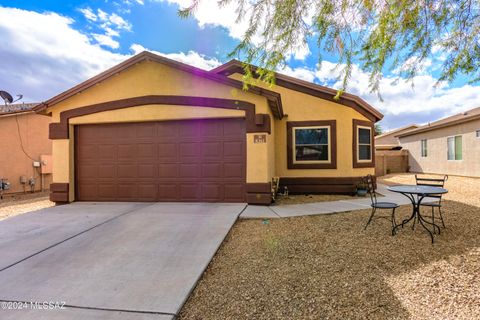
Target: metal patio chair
370	184
437	203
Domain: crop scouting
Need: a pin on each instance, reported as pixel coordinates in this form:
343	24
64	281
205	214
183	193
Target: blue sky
49	46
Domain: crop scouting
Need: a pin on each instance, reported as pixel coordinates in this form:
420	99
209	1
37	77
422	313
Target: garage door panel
168	170
167	151
127	152
211	170
87	171
186	150
189	191
233	170
189	170
233	149
147	171
200	160
106	151
212	192
146	151
168	191
127	171
234	192
107	191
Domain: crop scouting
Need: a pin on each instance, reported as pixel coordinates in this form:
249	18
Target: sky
49	46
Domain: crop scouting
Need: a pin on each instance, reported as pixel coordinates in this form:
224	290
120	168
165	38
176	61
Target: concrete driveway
108	260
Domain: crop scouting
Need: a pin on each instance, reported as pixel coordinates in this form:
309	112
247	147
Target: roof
16	108
235	66
274	99
463	117
407	127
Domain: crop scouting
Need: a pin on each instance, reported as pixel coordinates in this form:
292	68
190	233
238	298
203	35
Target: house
25	149
389	139
153	129
447	146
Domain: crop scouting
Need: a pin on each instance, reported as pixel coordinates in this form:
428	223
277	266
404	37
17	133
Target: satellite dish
7	97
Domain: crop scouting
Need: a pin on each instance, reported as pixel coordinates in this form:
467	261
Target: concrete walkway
328	207
109	261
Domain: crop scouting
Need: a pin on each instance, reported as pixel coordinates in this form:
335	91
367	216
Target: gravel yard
462	189
310	198
12	205
327	267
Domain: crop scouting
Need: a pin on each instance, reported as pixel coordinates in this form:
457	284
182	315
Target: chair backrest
370	185
432	182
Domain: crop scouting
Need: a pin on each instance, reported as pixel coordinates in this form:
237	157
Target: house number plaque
259	138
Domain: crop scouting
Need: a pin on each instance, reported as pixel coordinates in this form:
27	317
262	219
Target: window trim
329	145
357	163
455	147
332	147
477	133
422	154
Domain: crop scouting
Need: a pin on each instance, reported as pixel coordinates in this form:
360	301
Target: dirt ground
309	198
328	267
461	189
12	205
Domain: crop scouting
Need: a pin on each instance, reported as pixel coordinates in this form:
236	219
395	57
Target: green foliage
378	129
398	34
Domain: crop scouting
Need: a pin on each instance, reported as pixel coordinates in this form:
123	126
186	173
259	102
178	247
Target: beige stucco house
448	146
153	129
25	150
389	140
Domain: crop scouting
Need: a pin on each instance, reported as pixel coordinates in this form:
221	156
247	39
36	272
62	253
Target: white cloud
119	22
209	13
88	14
401	103
45	55
192	58
111	24
106	41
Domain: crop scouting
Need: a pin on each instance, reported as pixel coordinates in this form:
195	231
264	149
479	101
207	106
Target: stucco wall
302	107
13	161
436	160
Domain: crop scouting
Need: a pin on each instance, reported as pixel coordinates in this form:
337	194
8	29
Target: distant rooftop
16	107
468	115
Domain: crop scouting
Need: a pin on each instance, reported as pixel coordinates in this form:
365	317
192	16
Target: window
363	144
311	144
454	145
478	133
424	147
364	152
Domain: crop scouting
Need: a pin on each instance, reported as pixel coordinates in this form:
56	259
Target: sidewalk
329	207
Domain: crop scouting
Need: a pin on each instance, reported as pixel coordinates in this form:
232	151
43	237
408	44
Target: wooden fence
390	161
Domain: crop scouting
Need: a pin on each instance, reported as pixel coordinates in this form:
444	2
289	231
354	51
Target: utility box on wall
46	163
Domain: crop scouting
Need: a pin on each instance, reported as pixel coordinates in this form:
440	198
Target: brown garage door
195	160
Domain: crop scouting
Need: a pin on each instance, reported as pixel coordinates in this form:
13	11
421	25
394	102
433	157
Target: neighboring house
153	129
447	146
389	140
24	140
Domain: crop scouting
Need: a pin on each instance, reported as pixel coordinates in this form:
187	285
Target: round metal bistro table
416	194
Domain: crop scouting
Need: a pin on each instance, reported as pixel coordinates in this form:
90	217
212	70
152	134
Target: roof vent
465	113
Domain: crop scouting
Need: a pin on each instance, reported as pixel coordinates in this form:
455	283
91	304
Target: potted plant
361	189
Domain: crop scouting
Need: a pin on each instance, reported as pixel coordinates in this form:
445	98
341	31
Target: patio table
416	194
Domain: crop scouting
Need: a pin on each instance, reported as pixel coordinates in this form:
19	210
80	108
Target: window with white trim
454	148
311	144
478	133
424	147
364	144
